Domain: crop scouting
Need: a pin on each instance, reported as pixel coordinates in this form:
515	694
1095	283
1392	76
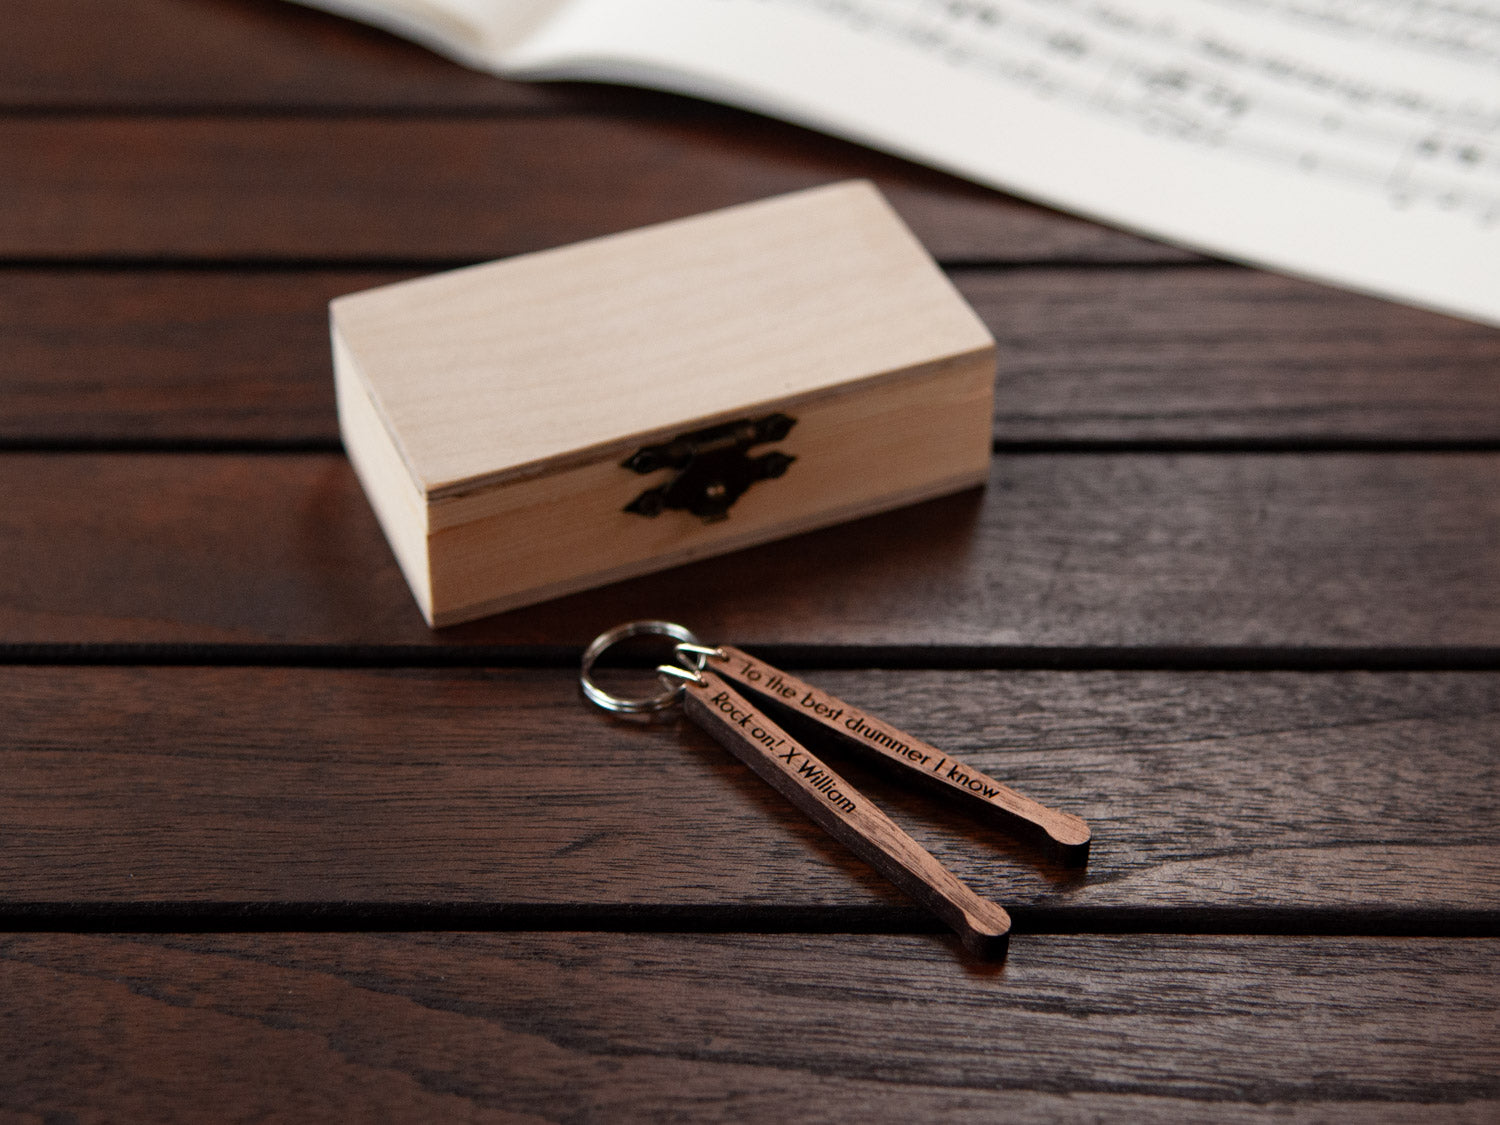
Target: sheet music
1263	91
1350	141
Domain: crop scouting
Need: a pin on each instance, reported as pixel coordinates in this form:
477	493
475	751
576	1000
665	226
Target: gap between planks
1102	447
551	918
977	658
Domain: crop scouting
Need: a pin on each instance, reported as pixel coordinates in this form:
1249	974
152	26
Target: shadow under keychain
712	682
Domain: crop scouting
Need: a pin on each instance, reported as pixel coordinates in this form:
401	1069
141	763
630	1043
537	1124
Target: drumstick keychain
712	682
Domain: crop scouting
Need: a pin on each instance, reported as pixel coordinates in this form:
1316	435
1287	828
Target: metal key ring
607	640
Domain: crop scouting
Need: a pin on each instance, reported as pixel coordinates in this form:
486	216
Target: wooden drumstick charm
714	683
843	812
1067	835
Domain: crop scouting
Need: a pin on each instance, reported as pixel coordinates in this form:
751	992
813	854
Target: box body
496	415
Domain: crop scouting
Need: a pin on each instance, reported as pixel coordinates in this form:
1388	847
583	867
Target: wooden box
564	419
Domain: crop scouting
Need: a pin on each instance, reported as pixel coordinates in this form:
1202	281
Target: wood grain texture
488	411
171	356
229	55
1230	799
257	159
1134	551
846	814
1195	354
517	368
462	190
910	760
1113	355
664	1028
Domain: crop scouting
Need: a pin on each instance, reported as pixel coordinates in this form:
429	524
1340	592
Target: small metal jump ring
607	640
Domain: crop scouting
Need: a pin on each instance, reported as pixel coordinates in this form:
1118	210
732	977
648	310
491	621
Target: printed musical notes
1245	77
1352	141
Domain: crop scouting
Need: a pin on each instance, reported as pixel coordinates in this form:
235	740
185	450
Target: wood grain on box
489	410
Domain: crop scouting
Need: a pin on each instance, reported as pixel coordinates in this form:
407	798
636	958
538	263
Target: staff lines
1244	100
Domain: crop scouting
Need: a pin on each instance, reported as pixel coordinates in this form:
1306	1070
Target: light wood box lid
544	360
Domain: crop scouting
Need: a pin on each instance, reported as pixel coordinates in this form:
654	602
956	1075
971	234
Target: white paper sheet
1350	141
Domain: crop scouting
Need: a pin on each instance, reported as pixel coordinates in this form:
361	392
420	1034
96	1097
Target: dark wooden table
270	849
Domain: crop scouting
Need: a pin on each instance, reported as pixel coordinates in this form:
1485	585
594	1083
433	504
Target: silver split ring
607	640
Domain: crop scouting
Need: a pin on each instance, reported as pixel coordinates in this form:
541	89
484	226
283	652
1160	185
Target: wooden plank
446	797
233	54
1202	354
460	189
1129	551
569	1027
173	356
1113	355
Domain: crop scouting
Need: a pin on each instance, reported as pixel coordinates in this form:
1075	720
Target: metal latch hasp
714	467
